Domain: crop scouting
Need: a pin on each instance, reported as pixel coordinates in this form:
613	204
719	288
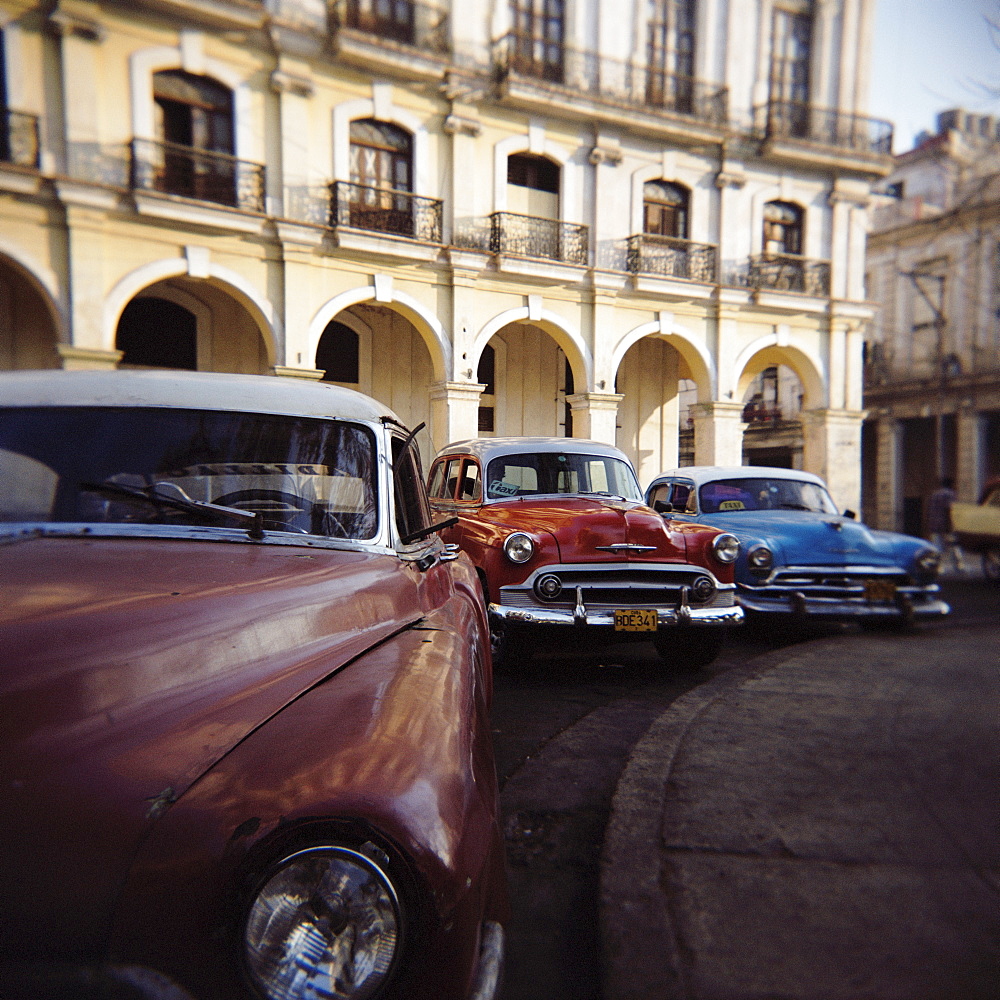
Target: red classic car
245	749
560	536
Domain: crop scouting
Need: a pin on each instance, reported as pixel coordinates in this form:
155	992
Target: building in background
523	217
932	372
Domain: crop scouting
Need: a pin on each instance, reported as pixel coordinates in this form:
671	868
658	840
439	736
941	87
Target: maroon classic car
560	537
245	688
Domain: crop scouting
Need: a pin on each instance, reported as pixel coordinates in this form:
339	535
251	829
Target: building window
157	333
194	121
388	18
665	209
538	32
381	177
670	54
782	228
791	60
337	354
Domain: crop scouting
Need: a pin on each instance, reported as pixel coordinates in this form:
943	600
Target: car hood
806	538
130	667
584	527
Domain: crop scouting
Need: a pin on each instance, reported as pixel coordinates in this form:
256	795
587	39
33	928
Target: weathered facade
932	373
495	216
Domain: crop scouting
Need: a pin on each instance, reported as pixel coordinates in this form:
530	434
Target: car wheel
686	649
991	564
509	647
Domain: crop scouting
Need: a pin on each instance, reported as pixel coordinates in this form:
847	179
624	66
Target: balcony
529	236
797	131
531	72
380	210
399	36
789	273
19	138
670	257
201	174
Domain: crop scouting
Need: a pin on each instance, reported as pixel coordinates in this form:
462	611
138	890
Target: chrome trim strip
833	606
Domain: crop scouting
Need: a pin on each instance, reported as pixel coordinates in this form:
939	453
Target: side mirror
851	514
663	507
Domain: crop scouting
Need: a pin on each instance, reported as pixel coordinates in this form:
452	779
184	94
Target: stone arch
43	281
188	56
380	107
777	350
260	310
31	323
696	356
577	353
424	321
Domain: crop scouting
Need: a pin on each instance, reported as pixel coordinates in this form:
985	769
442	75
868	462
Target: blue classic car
798	554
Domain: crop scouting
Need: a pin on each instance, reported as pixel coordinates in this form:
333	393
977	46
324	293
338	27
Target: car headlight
725	547
928	561
760	559
326	923
518	547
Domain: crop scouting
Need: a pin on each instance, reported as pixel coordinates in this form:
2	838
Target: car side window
412	509
660	493
436	484
470	484
682	497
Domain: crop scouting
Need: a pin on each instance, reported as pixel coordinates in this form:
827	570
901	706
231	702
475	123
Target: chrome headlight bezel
928	562
760	559
726	548
299	903
518	547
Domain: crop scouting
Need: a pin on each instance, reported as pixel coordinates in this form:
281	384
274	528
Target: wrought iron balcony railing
529	236
18	138
671	257
783	272
618	82
172	168
381	210
405	22
824	126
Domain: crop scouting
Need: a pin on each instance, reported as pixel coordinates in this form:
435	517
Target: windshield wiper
796	506
252	520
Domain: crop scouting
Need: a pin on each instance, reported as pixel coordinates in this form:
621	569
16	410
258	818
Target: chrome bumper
796	602
681	615
489	971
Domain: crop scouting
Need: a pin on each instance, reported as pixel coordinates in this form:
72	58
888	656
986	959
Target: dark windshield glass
562	472
764	494
73	464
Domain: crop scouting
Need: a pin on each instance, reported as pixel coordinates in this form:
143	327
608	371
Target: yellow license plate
636	620
880	590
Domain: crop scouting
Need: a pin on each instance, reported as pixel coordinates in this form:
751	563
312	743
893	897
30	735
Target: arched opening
28	332
338	355
665	209
649	419
783	228
533	184
157	333
772	408
381	177
486	376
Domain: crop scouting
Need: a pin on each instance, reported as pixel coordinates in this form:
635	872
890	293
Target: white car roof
702	474
189	390
487	448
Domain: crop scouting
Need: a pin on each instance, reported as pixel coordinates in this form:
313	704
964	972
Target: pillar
454	411
832	449
970	472
888	477
595	415
718	433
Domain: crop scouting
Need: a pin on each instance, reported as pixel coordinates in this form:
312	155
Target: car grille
833	583
605	590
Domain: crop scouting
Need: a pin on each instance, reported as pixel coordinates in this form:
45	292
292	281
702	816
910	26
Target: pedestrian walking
939	522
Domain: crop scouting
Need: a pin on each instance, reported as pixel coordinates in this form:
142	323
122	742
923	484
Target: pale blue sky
930	55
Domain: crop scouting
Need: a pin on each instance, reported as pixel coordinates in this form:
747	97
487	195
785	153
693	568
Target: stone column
888	476
454	411
832	449
718	433
971	454
80	358
595	415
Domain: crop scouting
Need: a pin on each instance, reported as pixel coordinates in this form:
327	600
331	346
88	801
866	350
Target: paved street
816	820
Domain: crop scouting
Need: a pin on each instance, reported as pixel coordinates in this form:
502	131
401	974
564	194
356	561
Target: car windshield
764	494
560	472
153	465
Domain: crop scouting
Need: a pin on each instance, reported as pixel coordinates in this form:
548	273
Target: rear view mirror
851	514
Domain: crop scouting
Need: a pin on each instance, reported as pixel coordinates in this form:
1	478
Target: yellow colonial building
495	216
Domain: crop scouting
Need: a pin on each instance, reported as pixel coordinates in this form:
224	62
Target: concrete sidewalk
821	824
